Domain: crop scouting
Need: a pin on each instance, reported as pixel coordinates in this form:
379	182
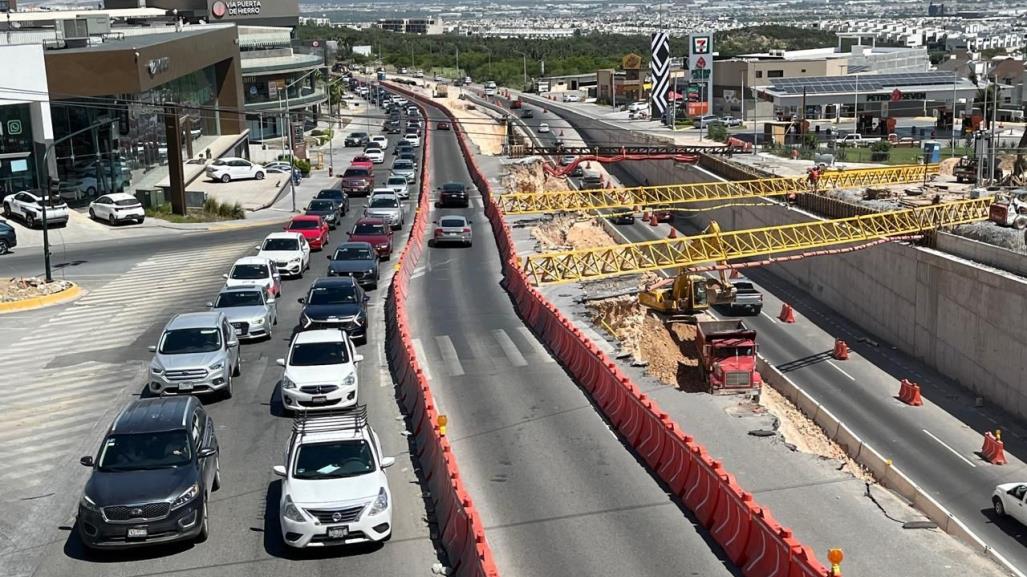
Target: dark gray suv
151	477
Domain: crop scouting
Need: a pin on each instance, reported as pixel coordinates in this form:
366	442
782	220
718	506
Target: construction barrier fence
460	530
748	534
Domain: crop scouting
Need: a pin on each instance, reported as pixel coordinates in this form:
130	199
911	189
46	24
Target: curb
69	294
248	223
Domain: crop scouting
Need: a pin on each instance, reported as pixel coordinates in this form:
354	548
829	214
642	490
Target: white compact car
334	488
381	141
543	128
1011	499
117	207
413	139
398	185
320	372
376	155
29	207
255	271
232	168
290	252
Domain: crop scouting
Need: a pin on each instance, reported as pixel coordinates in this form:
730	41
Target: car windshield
142	451
384	202
281	244
452	187
187	341
403	165
333	460
330	193
397	181
304	225
353	253
332	295
452	223
321	205
127	202
249	271
367	228
316	354
239	299
358	135
356	172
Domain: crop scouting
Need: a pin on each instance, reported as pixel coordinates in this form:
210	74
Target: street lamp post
331	133
524	60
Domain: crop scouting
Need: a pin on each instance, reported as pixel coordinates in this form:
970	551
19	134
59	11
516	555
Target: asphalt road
245	538
557	491
936	447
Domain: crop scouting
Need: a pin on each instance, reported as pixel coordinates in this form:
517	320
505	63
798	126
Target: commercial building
248	12
25	125
277	77
431	25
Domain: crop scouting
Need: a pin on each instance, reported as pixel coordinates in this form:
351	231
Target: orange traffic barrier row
749	535
993	450
909	393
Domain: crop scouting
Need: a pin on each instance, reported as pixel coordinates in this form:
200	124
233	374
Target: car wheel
141	219
7	210
238	367
226	178
204	525
3	246
217	475
90	191
92	215
30	220
226	393
111	221
259	176
468	245
999	509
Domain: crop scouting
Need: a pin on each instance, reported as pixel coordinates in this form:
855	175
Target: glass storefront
130	153
17	163
259	89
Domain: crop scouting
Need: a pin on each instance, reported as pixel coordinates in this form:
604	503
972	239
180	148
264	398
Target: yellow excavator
688	294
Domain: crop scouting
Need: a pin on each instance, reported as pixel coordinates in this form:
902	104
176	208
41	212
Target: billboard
700	60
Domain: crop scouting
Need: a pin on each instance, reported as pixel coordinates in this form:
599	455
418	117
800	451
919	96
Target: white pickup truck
29	207
856	139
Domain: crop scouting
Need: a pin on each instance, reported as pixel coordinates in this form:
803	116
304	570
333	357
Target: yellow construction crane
608	261
644	196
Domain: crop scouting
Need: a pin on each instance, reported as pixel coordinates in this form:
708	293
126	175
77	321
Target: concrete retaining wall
989	254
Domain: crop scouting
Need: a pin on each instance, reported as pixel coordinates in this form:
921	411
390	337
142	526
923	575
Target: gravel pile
16	289
993	234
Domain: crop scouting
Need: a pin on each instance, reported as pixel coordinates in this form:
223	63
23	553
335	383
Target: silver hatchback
452	229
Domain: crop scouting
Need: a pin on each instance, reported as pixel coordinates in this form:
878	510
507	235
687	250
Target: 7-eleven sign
701	44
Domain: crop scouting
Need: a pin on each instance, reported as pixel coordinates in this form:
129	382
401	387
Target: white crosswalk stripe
509	348
48	408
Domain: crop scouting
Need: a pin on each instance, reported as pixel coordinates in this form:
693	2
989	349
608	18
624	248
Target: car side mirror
388	462
301	300
233	343
210	304
278	470
257	247
152	348
206	452
225	276
366	298
86	461
358	358
280	362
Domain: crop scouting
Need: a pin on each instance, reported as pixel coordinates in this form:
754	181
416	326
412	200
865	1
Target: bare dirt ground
527	176
485	132
565	232
16	289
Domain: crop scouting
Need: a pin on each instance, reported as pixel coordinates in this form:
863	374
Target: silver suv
197	353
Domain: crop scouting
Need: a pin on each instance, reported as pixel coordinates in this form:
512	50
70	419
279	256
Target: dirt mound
565	232
527	176
947	166
16	289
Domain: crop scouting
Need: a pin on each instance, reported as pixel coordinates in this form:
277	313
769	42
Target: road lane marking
422	357
839	369
535	345
953	451
509	348
449	356
770	318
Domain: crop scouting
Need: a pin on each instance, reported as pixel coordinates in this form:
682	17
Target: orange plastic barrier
787	314
748	534
993	450
909	393
841	350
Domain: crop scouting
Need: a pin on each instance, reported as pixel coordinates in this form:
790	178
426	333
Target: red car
363	162
312	227
443	125
375	231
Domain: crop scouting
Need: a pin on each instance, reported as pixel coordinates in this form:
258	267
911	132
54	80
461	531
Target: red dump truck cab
727	357
514	105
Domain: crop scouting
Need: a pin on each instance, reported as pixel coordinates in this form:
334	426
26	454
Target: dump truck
727	357
441	90
966	170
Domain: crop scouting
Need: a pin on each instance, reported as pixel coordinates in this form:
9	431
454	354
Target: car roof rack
351	419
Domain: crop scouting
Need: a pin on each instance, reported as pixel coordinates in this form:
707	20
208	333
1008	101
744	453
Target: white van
490	88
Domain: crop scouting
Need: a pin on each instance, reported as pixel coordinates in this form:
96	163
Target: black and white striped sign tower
659	68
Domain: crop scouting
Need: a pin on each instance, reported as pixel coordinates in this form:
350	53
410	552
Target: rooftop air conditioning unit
76	32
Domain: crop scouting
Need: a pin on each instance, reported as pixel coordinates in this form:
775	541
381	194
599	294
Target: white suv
335	491
290	252
230	168
321	371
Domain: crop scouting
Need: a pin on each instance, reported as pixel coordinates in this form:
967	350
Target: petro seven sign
700	57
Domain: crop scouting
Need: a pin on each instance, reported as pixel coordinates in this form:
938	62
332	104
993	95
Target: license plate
319	399
238	331
185	386
338	532
137	533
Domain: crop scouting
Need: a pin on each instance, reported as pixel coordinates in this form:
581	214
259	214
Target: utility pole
993	146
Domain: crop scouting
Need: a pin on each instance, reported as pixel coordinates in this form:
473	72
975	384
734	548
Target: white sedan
320	371
117	207
1008	499
381	141
376	155
413	139
231	168
542	128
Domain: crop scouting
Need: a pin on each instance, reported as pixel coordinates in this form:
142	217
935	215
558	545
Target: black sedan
337	196
453	194
357	260
336	303
328	209
8	238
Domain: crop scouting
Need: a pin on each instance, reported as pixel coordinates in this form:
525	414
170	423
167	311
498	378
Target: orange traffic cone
561	133
734	273
787	315
673	233
654	220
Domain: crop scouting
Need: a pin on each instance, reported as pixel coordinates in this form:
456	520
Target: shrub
302	164
717	131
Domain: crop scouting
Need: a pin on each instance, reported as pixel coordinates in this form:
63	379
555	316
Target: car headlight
292	512
295	260
287	383
88	503
156	370
217	366
381	503
257	322
350	380
186	496
383	245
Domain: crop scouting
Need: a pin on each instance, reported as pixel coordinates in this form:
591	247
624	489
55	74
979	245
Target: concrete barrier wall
988	254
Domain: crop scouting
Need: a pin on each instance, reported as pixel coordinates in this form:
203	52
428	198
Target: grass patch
212	211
